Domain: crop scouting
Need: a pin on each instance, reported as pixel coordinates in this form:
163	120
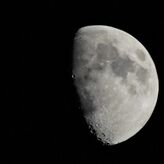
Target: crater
140	54
121	66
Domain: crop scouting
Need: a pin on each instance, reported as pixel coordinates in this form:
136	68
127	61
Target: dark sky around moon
43	119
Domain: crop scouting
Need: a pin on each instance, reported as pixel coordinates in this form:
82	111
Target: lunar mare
116	81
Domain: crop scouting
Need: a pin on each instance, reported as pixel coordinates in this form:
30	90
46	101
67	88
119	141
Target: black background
44	122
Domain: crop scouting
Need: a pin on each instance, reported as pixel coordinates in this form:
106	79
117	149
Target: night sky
43	120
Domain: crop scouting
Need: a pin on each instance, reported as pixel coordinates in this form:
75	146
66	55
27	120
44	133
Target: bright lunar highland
116	81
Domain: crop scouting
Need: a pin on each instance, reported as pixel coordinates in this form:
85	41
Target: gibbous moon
116	81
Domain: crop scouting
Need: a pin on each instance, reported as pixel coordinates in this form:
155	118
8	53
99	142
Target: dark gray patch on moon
132	90
141	55
106	52
121	66
142	74
98	67
86	78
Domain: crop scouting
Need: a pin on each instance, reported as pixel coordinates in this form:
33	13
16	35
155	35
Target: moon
116	80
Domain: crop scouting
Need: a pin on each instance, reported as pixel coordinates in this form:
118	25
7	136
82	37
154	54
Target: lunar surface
116	81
